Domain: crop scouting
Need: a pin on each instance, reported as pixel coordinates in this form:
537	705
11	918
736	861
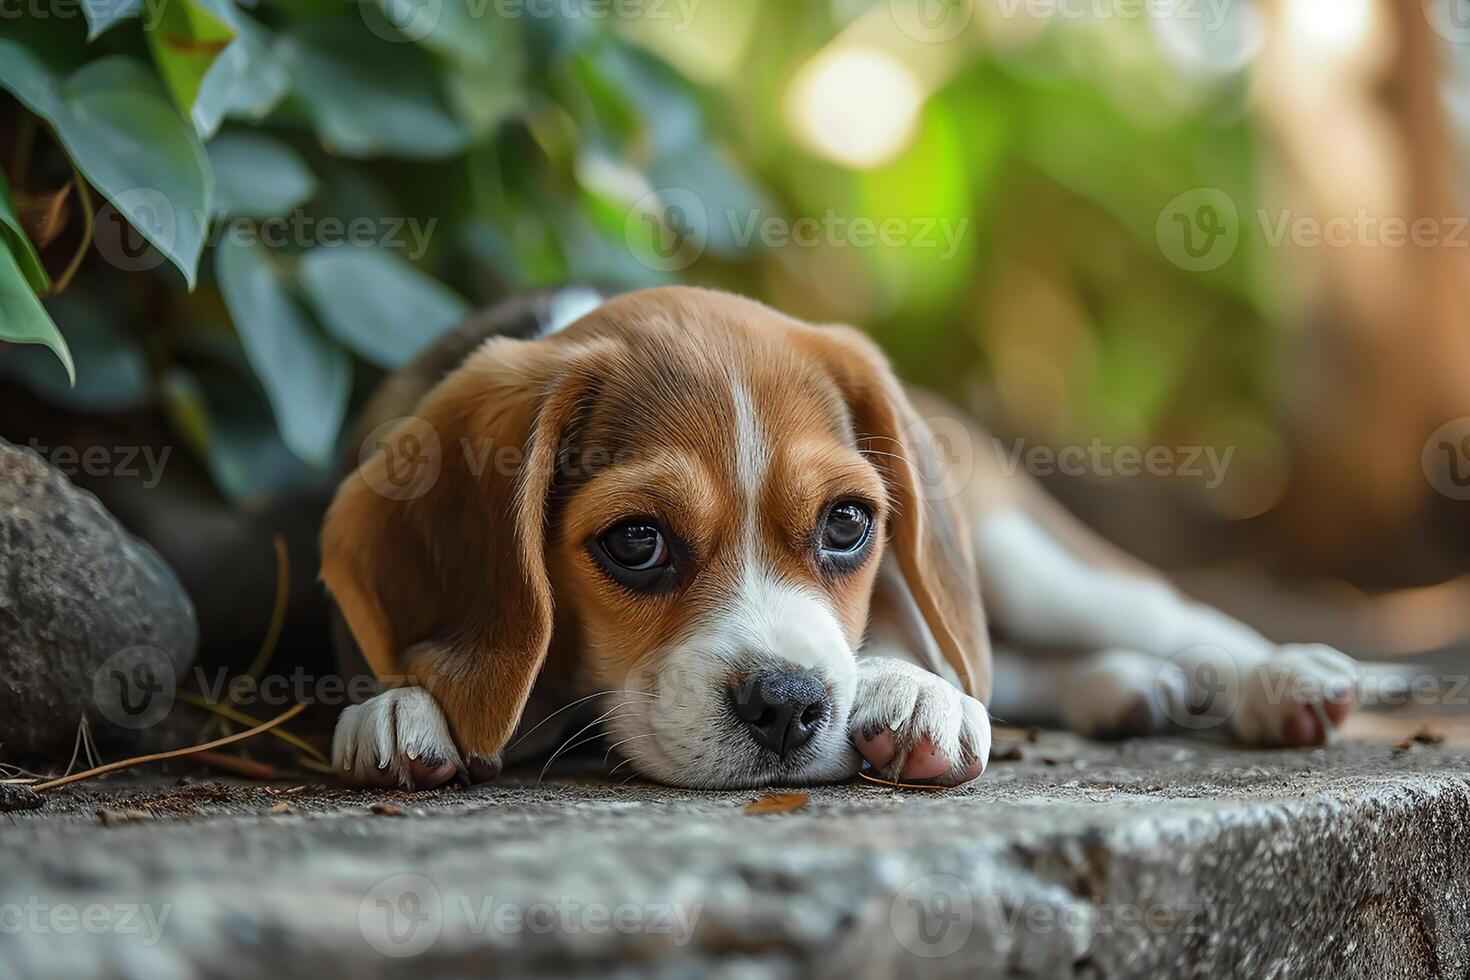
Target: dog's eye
635	553
637	545
846	528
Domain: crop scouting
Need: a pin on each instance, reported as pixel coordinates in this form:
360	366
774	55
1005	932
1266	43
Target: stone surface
1149	858
86	610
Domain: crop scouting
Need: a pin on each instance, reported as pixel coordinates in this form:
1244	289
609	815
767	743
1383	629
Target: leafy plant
242	212
332	161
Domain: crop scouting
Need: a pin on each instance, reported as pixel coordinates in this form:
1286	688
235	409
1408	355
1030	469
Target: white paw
914	726
1122	693
397	738
1297	697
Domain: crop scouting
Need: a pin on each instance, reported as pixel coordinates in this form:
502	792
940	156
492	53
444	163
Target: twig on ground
315	766
173	754
239	765
60	283
268	643
897	785
234	714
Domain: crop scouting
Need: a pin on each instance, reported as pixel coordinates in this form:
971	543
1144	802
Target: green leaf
245	80
731	201
446	27
183	400
186	42
256	74
22	318
103	14
20	246
625	81
370	97
484	95
376	303
306	377
258	176
484	76
112	373
226	423
119	128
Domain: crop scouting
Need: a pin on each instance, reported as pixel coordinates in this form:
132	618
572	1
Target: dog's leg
402	737
398	738
1106	694
912	725
1040	592
910	718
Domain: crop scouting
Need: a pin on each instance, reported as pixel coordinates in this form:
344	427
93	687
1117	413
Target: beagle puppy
761	557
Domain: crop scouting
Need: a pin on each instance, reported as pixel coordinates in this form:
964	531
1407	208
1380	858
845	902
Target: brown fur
468	588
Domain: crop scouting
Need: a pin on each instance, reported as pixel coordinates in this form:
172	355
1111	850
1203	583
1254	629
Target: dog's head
684	499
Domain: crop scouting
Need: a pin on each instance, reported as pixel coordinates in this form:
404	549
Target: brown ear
928	534
434	546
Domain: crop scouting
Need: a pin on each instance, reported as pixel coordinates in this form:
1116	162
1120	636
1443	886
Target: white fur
1045	594
1299	673
752	459
687	733
1093	693
375	740
916	704
751	452
904	634
1135	640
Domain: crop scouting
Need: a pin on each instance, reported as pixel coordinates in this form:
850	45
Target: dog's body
762	553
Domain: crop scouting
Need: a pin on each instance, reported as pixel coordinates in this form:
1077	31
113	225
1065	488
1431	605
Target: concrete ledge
1150	858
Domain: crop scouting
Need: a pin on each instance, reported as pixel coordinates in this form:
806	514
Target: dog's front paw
1297	697
914	726
400	738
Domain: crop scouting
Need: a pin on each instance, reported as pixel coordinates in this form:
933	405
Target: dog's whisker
902	459
619	766
631	738
562	748
568	707
590	738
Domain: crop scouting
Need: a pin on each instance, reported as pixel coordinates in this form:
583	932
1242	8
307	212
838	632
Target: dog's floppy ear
927	534
434	546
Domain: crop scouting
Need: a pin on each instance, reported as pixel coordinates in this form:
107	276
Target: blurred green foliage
293	196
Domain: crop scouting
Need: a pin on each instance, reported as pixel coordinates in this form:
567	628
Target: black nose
782	709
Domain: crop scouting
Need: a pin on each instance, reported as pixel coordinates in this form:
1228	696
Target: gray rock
92	622
1147	859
